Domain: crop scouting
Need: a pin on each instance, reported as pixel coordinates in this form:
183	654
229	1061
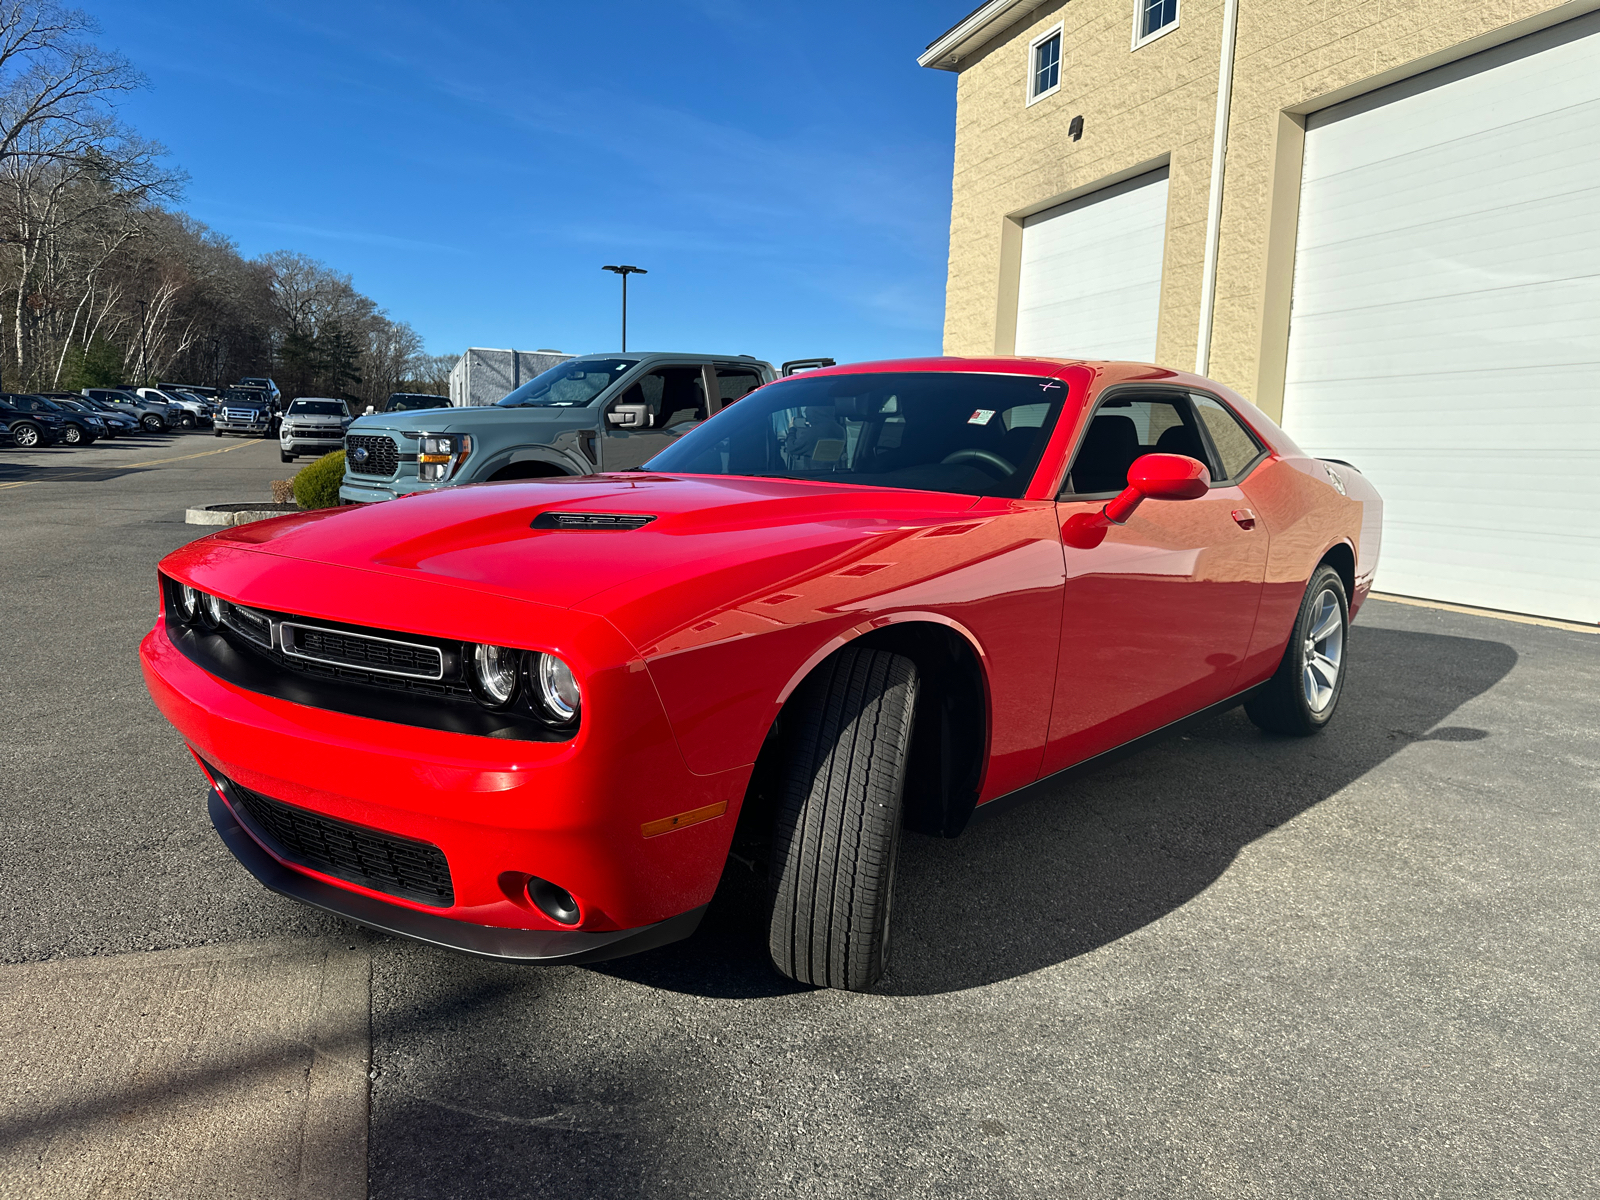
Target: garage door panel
1518	245
1090	278
1445	331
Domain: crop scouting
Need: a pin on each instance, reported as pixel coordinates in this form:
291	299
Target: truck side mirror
629	416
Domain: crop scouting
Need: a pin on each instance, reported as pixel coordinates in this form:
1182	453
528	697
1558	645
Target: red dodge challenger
523	719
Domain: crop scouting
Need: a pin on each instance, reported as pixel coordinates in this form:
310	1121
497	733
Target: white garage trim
1089	281
1445	331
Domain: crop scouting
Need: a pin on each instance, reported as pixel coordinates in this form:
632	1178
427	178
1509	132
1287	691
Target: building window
1152	18
1044	64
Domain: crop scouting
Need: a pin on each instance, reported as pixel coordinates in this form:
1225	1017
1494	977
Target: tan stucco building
1385	171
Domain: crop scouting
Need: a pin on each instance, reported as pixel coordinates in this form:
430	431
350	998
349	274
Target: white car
192	410
313	425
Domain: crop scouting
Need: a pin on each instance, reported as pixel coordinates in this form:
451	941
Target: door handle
1245	518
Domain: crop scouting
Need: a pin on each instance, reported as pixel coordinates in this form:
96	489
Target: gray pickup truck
598	412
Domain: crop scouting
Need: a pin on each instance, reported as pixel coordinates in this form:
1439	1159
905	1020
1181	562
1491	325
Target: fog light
554	902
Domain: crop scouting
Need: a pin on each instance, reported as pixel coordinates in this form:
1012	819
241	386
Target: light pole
625	271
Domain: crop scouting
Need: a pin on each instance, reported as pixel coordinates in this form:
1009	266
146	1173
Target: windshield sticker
981	416
827	450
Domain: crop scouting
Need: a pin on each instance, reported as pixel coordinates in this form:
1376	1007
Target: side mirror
1152	477
629	416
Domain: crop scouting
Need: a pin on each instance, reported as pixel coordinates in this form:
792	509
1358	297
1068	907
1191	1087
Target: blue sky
782	169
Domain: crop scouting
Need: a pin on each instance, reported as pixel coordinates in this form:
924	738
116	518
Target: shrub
317	484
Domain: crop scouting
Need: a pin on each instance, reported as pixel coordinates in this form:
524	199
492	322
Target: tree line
104	281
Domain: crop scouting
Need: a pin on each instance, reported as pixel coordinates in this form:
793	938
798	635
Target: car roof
1106	370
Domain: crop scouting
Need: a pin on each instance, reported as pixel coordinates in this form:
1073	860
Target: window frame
1138	20
1132	391
1262	449
1055	31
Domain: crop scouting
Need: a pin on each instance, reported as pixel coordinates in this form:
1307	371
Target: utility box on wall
482	376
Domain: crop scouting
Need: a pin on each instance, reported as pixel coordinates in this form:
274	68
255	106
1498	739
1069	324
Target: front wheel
837	831
216	433
72	436
187	420
153	423
287	457
1300	698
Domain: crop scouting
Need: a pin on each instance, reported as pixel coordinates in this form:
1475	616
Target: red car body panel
690	633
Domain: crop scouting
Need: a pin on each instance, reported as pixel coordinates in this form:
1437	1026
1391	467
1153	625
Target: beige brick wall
1159	102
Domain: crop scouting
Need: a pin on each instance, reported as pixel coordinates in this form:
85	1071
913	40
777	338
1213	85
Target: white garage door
1445	335
1090	285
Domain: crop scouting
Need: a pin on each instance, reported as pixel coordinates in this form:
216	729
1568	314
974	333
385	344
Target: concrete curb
236	514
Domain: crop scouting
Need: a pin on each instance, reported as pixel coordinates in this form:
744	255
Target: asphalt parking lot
1232	965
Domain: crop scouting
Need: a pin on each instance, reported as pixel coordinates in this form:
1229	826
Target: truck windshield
571	384
316	408
972	434
407	401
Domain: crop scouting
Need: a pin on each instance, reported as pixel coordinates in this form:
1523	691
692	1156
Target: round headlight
558	689
211	609
188	602
494	674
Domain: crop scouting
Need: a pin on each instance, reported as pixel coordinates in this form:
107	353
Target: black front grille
382	458
370	653
381	861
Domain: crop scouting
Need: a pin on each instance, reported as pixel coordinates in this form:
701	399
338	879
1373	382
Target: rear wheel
27	435
1300	698
837	832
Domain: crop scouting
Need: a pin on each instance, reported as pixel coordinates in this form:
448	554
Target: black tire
1286	704
72	436
837	832
287	457
27	435
187	420
152	422
216	433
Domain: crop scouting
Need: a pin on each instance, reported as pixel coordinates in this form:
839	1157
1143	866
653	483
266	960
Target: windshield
571	384
317	408
976	435
406	402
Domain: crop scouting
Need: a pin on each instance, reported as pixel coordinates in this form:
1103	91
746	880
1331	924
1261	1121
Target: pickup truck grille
242	416
381	459
381	861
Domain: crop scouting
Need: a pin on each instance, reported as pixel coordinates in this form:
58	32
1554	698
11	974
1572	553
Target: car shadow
1077	862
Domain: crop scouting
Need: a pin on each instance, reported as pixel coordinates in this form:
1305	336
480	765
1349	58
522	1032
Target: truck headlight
440	454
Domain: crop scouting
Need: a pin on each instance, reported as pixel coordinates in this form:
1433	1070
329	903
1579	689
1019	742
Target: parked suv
192	410
247	411
155	415
28	429
78	429
600	412
313	425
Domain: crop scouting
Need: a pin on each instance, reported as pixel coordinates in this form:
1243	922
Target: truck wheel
1300	698
216	433
187	420
837	830
287	457
153	423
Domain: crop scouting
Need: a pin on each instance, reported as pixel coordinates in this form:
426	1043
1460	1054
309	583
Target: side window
1125	429
1236	446
735	383
671	396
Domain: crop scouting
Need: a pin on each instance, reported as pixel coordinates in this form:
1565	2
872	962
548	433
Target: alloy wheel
1324	651
25	435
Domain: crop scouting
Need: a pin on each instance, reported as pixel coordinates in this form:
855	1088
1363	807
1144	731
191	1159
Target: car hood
460	420
482	537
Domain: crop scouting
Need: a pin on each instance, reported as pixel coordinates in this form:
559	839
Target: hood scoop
591	520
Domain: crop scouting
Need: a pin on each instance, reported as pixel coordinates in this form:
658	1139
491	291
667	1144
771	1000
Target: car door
652	412
1157	617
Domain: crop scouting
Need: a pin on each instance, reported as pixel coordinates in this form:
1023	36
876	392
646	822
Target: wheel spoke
1327	622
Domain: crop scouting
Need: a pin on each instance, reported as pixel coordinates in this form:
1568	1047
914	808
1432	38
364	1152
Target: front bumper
370	492
261	430
499	811
300	444
485	941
